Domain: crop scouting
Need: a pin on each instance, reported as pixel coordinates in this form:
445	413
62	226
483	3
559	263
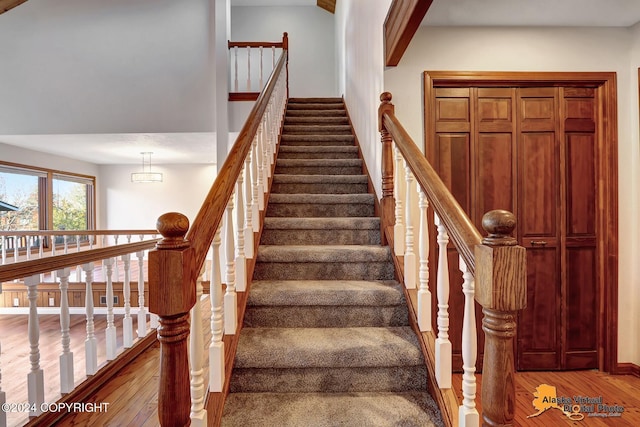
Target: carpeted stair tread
337	106
409	409
318	152
328	199
317	129
316	113
322	139
325	292
317	120
323	253
364	223
315	100
327	347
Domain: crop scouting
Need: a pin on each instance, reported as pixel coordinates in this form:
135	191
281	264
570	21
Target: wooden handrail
44	265
464	234
210	215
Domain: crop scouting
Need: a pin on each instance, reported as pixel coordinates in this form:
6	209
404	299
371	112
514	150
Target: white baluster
398	188
248	69
255	180
263	178
142	311
467	413
261	82
66	357
424	295
78	268
35	377
116	270
230	297
241	263
409	254
4	249
216	348
27	242
235	85
196	347
154	321
248	211
90	344
443	345
16	248
273	57
110	332
127	322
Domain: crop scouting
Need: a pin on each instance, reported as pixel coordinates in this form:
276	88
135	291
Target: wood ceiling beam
6	5
402	22
328	5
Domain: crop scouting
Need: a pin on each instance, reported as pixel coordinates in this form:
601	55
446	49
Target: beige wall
545	49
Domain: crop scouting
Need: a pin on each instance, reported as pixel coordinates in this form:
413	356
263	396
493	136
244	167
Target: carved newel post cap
173	227
385	97
499	224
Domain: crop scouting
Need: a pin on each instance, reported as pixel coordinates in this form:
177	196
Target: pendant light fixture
146	175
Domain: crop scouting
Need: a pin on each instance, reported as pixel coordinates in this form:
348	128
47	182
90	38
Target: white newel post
424	294
110	332
66	357
90	344
468	414
241	260
248	212
398	195
230	297
127	321
35	377
196	354
216	348
443	345
142	311
409	254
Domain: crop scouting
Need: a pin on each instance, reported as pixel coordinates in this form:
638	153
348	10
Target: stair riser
319	188
320	237
321	139
319	170
303	120
325	316
301	143
315	106
315	113
317	129
329	380
317	155
323	270
307	210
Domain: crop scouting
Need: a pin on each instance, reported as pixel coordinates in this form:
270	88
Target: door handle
538	243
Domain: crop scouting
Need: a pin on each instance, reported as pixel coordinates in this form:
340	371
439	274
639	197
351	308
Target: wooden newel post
171	296
387	204
285	46
501	289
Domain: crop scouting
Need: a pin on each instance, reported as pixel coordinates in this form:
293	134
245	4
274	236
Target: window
45	200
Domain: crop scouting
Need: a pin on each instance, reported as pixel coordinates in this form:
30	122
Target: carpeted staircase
325	340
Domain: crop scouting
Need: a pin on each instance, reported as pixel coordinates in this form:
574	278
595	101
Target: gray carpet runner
325	338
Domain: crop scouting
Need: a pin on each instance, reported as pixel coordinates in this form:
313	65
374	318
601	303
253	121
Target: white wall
138	205
94	66
360	56
311	31
543	49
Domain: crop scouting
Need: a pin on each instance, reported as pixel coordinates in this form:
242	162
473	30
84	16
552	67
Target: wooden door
530	150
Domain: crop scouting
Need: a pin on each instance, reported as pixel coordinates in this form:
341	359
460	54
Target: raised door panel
452	164
580	300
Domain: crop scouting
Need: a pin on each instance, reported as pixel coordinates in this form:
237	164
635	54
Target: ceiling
186	148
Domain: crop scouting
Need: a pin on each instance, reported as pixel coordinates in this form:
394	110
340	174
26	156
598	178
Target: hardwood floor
620	390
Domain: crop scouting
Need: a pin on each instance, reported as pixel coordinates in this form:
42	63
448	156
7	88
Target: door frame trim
605	85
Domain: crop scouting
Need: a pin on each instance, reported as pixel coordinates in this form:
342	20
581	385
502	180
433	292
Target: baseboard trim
628	369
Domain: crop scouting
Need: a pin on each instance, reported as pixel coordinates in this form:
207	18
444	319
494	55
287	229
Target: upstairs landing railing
97	265
247	81
228	225
493	271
